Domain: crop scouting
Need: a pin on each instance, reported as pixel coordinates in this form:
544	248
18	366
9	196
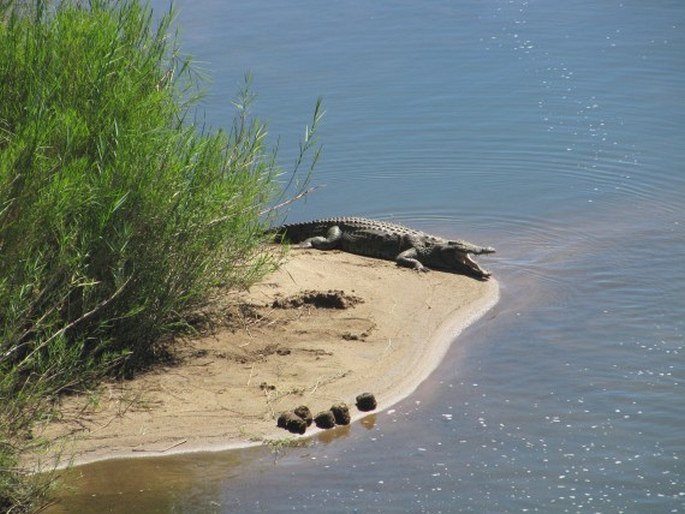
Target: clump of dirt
325	419
241	314
304	412
366	402
332	299
341	412
227	313
292	422
350	336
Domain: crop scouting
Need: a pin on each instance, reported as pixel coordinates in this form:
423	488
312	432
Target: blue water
551	130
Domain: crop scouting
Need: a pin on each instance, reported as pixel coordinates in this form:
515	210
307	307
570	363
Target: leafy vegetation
118	215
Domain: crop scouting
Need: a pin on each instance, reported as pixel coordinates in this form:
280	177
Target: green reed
118	215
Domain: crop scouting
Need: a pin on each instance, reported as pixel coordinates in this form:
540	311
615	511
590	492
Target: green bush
117	215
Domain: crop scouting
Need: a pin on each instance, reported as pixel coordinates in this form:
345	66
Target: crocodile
384	240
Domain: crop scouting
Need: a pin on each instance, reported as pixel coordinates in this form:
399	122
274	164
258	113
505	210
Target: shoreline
393	332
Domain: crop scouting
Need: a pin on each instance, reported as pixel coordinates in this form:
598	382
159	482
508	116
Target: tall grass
117	214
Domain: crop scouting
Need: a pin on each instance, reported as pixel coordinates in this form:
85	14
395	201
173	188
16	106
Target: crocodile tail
294	233
277	234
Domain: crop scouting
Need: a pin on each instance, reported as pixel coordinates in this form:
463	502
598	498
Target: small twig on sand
327	380
179	443
268	403
250	377
184	441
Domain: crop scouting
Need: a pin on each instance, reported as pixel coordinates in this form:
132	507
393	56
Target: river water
552	130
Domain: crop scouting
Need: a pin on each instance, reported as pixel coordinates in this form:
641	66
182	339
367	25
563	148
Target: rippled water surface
551	130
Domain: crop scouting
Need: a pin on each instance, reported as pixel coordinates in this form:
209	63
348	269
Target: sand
372	327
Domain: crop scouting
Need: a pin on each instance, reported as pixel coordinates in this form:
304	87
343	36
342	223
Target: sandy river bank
324	328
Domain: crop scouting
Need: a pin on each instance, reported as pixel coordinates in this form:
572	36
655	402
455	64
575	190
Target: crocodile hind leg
329	242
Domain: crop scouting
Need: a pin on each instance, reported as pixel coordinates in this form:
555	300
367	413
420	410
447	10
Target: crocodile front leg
408	259
329	242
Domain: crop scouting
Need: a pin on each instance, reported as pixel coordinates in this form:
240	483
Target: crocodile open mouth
475	267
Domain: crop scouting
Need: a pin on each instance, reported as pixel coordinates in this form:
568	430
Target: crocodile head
457	257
